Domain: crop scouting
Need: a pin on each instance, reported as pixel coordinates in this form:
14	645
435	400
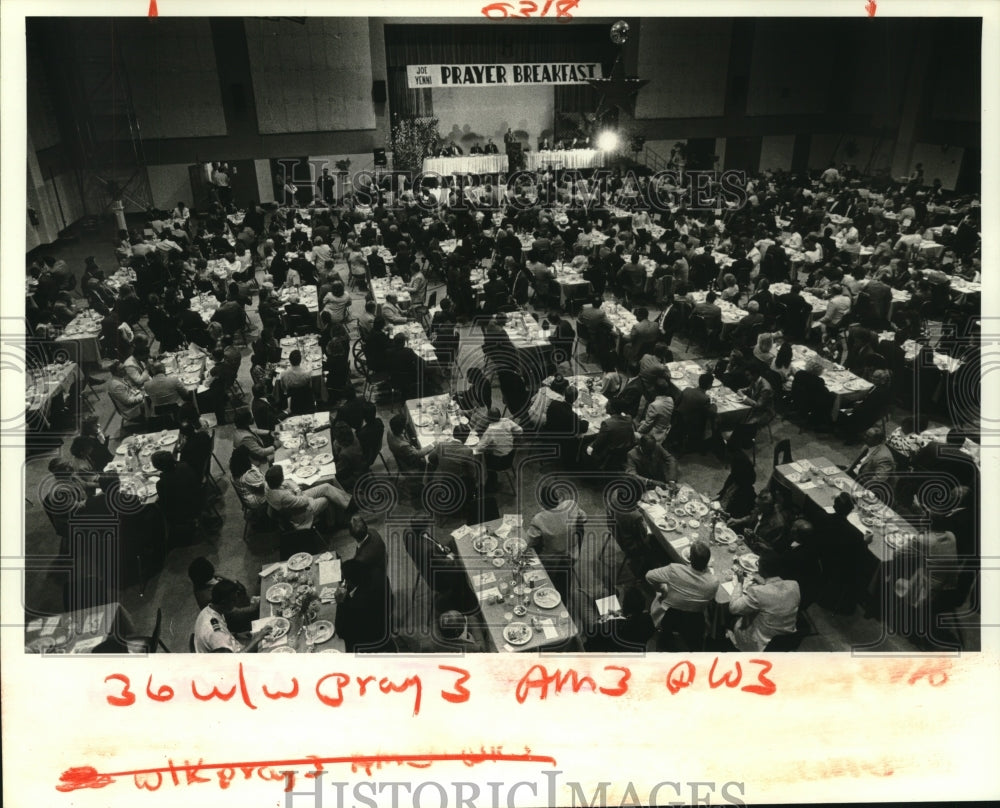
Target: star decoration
617	90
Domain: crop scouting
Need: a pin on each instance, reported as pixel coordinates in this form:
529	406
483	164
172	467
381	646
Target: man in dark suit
305	268
363	609
643	336
370	552
692	412
294	310
490	147
795	317
880	297
745	332
564	426
875	463
265	414
562	338
670	319
616	436
476	149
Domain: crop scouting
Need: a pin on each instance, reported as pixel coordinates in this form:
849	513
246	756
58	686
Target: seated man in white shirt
212	634
556	532
497	445
300	507
683	593
837	308
767	604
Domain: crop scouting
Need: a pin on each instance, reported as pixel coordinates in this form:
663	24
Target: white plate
282	649
323	459
517	633
305	472
300	561
748	562
485	544
319	632
318	441
279	628
278	593
168	440
546	597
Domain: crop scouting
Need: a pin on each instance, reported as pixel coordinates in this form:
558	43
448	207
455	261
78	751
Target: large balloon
619	32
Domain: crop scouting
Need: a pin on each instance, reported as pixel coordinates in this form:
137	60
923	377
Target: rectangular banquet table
531	343
589	406
844	385
495	582
190	366
728	402
416	339
564	158
731	313
42	385
819	480
687	518
307	296
434	418
380	287
466	164
85	331
78	632
142	481
306	444
296	640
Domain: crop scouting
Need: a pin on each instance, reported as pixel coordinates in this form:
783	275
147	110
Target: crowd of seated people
862	276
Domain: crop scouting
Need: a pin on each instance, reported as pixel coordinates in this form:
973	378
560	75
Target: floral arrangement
411	140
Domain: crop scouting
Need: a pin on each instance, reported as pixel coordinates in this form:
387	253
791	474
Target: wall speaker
379	92
379	155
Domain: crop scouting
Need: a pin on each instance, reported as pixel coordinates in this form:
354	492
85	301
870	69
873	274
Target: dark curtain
470	44
404	102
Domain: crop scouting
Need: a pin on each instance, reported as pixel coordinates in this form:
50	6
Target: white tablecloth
466	164
564	158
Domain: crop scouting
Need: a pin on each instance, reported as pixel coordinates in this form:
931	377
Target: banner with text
512	75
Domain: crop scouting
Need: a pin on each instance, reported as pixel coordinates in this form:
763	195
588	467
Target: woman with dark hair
93	443
737	496
782	362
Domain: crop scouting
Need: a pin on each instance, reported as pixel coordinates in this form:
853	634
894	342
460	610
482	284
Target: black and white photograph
519	332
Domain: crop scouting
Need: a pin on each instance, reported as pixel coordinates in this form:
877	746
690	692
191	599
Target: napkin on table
329	572
548	628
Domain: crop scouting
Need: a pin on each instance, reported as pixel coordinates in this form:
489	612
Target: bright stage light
607	141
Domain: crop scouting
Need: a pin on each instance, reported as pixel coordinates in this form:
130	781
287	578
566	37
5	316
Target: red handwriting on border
152	779
870	7
153	12
539	679
684	673
529	8
331	690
